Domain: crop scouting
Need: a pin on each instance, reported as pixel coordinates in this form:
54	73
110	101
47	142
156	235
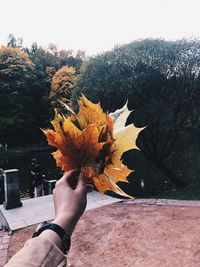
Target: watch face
67	242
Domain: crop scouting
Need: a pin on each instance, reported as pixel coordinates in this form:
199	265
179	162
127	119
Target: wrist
52	237
67	224
54	233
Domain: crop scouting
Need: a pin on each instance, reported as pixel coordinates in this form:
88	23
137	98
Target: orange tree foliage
13	60
62	86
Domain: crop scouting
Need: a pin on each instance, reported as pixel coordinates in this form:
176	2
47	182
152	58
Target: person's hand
69	200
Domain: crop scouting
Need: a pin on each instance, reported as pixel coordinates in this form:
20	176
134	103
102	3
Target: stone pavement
4	243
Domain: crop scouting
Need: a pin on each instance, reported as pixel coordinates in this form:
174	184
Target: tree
71	59
62	86
68	58
45	67
160	81
14	42
25	84
16	71
47	62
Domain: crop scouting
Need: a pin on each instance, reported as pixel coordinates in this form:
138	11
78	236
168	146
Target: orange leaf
87	141
104	183
90	113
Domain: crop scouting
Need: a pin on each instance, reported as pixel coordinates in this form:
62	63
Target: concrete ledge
36	210
3	223
165	202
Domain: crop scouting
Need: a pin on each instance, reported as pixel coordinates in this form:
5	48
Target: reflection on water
22	162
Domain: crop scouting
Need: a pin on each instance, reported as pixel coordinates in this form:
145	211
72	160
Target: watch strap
65	237
54	227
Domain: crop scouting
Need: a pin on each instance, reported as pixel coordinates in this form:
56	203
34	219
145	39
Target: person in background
36	183
51	243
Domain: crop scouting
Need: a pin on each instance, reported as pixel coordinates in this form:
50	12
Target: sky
97	25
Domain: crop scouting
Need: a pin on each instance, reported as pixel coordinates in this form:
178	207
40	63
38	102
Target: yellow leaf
118	174
90	113
69	129
59	134
125	139
120	117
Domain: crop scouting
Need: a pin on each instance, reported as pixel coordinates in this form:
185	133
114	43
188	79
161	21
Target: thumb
80	182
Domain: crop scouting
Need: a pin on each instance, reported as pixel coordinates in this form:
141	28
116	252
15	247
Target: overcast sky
97	25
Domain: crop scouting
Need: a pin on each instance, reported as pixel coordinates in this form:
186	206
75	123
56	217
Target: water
22	162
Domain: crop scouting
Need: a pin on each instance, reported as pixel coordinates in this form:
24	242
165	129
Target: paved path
40	209
4	243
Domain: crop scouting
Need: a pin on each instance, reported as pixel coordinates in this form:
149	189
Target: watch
65	237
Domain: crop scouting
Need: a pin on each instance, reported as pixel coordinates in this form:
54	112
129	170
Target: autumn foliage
94	141
61	87
13	60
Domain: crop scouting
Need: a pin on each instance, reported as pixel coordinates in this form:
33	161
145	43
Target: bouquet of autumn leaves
93	142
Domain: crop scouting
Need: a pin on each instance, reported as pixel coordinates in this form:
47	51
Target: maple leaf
94	141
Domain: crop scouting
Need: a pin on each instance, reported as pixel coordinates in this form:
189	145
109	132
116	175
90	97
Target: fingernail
81	175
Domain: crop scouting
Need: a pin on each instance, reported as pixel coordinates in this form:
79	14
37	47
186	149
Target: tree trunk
170	175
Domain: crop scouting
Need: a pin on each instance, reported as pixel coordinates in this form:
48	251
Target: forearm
46	250
40	251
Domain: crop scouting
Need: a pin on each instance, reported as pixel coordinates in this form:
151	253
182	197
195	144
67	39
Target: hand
69	200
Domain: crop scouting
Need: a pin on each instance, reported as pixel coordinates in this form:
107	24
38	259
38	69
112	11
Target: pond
22	163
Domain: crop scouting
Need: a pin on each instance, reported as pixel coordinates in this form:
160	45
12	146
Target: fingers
83	184
76	180
55	202
80	182
68	178
70	174
89	188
